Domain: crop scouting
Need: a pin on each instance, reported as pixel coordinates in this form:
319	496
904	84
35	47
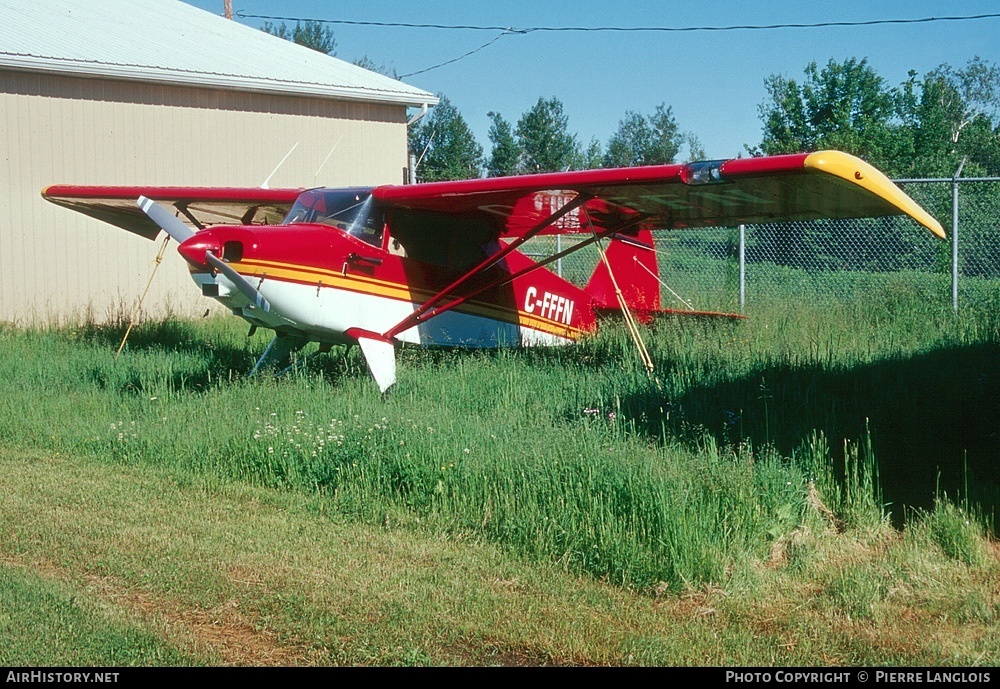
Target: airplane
439	263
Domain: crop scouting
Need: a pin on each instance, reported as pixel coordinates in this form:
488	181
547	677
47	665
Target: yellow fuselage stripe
308	275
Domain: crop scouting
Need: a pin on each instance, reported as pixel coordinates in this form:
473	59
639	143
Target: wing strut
506	279
421	313
597	236
630	323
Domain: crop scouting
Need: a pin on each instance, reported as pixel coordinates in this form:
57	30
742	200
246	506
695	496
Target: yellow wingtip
857	171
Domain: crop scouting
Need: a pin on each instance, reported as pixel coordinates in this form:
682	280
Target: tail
635	273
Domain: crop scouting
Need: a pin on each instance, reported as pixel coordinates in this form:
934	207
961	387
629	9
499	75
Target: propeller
167	222
181	232
242	284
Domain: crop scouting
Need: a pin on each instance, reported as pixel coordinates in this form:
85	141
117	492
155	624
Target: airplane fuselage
322	281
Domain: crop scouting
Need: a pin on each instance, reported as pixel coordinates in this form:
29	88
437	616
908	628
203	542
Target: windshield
350	210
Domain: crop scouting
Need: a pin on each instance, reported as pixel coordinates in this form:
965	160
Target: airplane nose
194	249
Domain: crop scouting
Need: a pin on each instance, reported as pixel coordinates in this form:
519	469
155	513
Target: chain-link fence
729	269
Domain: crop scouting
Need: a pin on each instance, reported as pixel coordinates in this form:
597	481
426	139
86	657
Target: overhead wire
448	62
508	30
530	29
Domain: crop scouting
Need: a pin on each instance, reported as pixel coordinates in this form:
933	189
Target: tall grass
747	432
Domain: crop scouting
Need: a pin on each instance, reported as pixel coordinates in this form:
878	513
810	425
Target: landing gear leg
278	354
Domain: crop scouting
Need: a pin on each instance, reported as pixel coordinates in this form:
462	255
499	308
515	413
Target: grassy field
813	486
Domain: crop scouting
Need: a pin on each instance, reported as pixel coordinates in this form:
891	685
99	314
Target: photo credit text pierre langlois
879	676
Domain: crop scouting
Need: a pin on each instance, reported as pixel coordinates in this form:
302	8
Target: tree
924	127
366	62
445	146
544	138
695	151
667	137
591	157
310	34
967	94
956	116
641	140
505	157
784	116
844	106
627	146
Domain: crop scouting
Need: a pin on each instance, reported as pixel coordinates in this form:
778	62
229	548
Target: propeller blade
165	219
242	284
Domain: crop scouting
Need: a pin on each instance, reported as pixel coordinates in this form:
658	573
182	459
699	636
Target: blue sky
714	81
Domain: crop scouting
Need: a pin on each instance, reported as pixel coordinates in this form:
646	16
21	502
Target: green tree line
541	141
925	127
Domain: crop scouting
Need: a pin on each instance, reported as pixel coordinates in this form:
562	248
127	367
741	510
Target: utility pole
228	8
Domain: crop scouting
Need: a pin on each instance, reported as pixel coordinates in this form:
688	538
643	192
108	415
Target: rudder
633	263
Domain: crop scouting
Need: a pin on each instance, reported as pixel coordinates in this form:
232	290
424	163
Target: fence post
743	267
954	236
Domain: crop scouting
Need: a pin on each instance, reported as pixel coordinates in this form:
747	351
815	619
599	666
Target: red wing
196	206
807	186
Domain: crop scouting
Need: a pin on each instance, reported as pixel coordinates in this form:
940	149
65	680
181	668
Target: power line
507	30
455	59
531	29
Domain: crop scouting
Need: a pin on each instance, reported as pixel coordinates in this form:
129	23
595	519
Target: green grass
47	623
140	565
772	455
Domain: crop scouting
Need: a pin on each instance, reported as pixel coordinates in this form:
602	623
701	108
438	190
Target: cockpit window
351	210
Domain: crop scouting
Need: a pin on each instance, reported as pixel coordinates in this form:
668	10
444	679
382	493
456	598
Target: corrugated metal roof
167	41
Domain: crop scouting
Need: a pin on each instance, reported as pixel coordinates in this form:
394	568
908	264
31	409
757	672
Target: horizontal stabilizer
645	316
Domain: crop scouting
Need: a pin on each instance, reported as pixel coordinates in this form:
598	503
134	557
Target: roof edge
229	82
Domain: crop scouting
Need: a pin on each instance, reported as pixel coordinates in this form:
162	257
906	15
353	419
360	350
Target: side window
395	247
369	227
441	239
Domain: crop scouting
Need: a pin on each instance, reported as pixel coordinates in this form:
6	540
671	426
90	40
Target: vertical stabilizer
633	263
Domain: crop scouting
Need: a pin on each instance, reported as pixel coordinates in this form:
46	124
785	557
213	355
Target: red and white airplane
438	264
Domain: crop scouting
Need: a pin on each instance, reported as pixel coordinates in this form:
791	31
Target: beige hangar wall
58	266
